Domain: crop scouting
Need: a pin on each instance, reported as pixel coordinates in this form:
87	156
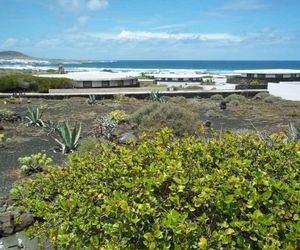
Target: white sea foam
23	61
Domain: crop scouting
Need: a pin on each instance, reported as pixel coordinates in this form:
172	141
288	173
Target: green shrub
10	83
238	192
261	96
119	116
34	163
235	97
156	115
217	97
87	145
272	99
235	103
44	84
213	113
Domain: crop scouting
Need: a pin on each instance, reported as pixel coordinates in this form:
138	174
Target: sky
152	29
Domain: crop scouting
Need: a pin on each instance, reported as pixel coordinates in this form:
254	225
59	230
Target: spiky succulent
51	126
92	100
68	140
156	96
34	117
295	132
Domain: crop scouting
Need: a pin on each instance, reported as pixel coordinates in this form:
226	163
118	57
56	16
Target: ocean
144	65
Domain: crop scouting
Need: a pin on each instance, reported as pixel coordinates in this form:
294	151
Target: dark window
250	75
293	75
87	84
121	84
279	76
261	76
170	79
105	84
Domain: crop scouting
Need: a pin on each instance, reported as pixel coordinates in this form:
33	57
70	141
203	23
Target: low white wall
285	90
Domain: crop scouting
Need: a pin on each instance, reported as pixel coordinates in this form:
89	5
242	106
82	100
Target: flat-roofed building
275	75
178	77
98	79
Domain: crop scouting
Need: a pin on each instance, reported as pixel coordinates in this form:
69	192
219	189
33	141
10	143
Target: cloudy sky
152	29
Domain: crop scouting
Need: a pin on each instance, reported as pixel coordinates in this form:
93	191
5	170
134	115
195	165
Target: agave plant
51	126
156	96
295	132
92	100
34	117
68	140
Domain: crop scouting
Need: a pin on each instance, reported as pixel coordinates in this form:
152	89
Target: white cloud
83	5
143	36
240	5
9	43
81	22
49	43
94	5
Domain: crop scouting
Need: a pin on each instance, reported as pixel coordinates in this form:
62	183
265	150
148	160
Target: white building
98	79
178	77
285	90
276	74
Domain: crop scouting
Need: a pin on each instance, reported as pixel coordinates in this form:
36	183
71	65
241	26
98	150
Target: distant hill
14	55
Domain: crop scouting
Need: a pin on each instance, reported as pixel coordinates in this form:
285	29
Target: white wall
285	90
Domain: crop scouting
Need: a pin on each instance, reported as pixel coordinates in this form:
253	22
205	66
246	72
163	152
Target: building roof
93	76
268	71
178	75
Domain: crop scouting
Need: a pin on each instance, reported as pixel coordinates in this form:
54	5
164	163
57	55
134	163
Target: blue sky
152	29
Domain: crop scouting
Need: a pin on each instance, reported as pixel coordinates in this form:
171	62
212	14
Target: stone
6	224
207	124
1	128
124	138
24	220
223	105
134	126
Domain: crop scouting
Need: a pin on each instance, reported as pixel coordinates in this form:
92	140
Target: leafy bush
239	192
11	83
272	99
156	115
261	96
119	116
68	140
213	113
34	163
217	97
235	97
235	103
87	145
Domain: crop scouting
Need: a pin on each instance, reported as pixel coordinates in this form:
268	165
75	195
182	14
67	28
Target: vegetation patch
155	116
238	192
235	97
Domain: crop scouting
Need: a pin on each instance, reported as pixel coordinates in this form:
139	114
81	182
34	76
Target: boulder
1	128
24	220
6	224
124	138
